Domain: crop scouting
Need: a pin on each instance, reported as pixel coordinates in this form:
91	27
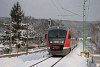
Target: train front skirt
59	52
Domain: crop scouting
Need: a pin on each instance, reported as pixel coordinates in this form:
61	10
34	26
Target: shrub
6	50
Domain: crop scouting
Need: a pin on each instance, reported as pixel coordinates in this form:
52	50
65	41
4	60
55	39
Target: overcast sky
53	8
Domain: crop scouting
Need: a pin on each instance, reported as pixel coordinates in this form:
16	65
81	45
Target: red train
60	41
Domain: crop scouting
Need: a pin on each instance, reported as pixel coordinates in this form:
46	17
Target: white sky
52	8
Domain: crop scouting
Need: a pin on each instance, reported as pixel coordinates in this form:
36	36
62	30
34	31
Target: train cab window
57	33
45	36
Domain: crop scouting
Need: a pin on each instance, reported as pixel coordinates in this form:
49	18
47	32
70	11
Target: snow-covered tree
17	16
94	32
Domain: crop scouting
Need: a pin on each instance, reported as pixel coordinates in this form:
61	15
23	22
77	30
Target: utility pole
84	52
27	39
11	36
28	20
84	24
9	27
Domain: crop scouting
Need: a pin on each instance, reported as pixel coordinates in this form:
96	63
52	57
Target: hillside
40	24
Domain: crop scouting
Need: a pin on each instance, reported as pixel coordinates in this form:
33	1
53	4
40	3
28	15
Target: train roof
57	27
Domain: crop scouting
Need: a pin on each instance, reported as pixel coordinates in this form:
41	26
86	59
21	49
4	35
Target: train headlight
51	41
62	42
56	41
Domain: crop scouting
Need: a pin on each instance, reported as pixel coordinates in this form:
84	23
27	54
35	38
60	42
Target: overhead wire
72	12
59	9
55	6
64	12
63	9
67	9
60	6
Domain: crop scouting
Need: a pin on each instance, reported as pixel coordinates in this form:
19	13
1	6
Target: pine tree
17	16
16	13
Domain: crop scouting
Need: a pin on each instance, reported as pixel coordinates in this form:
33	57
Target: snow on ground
73	59
49	62
23	61
10	62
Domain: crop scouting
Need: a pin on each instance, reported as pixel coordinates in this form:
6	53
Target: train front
56	41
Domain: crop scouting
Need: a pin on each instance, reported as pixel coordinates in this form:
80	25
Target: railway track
45	62
40	61
56	62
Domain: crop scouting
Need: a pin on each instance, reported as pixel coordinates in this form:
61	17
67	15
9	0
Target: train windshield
57	33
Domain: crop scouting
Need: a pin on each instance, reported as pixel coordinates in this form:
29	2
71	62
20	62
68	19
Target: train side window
69	37
45	36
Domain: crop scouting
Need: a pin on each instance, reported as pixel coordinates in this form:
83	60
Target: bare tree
94	32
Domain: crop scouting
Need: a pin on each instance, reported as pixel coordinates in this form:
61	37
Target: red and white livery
60	40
